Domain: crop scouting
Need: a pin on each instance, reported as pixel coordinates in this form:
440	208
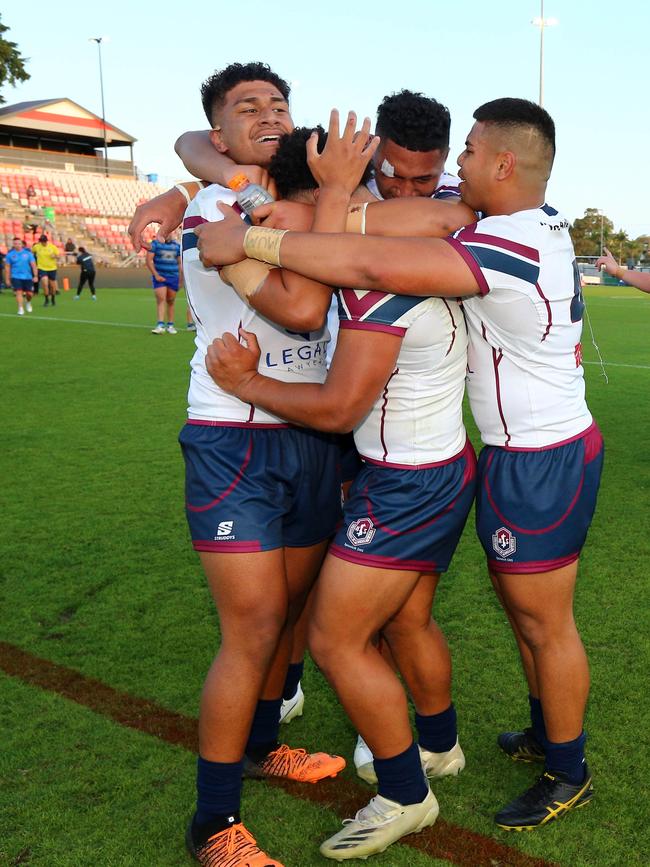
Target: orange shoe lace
295	764
234	847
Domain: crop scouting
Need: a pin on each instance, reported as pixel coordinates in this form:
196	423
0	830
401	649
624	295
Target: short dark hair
513	112
16	238
414	121
289	168
81	249
215	88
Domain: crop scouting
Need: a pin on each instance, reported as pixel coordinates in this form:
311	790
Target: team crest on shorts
504	542
361	532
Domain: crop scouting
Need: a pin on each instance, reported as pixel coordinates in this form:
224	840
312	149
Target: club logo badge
504	542
361	532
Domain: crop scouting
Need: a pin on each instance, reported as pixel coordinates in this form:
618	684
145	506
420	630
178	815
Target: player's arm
201	158
405	266
633	278
167	210
416	217
7	274
32	262
362	363
150	265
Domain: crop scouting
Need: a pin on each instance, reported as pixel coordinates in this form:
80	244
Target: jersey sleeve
493	250
377	311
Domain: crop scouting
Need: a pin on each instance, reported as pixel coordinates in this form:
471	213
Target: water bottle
249	196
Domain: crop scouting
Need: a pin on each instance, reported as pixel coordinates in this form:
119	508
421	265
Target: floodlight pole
98	40
542	22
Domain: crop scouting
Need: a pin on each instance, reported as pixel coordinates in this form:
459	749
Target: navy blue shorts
533	508
169	282
22	285
350	461
407	519
51	275
255	489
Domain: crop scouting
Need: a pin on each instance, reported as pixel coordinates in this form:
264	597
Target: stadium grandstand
55	179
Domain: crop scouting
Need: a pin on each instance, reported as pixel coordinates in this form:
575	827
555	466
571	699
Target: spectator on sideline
70	251
87	274
46	258
638	279
164	261
20	274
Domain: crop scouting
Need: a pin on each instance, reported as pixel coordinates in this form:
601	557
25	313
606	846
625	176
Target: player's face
17	244
401	173
251	122
477	165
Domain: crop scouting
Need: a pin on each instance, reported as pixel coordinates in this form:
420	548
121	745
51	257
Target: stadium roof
62	116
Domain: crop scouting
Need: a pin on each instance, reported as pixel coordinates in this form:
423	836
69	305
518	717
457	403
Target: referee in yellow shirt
46	261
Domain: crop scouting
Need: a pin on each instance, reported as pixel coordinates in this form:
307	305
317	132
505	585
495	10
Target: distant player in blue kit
21	274
164	261
539	473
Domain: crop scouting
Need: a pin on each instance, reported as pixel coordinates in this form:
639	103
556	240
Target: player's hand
344	157
255	174
608	262
222	242
166	209
285	215
232	364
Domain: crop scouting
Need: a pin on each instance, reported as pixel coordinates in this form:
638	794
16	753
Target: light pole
98	40
542	22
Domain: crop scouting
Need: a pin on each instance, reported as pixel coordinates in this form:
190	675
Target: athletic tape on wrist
356	219
188	189
264	244
245	277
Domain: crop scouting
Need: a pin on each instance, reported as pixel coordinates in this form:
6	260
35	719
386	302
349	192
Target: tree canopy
594	230
12	65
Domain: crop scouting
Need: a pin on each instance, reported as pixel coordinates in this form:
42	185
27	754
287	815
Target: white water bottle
249	195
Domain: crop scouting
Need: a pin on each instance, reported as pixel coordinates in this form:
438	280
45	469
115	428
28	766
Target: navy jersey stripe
495	260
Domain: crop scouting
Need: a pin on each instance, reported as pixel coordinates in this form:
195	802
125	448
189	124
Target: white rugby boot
292	707
377	825
448	764
364	762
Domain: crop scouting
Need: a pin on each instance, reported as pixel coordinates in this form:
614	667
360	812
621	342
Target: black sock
201	832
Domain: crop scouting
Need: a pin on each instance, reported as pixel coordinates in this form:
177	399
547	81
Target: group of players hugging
368	297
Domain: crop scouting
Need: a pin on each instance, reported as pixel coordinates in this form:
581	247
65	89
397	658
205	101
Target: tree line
594	231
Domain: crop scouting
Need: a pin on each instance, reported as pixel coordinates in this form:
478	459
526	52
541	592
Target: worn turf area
97	575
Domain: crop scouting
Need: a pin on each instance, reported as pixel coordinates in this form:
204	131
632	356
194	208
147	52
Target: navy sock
263	736
537	719
437	733
567	758
294	673
401	778
218	789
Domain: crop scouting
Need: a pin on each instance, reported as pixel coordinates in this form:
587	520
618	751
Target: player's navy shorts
169	282
533	508
22	285
407	519
256	488
350	461
51	275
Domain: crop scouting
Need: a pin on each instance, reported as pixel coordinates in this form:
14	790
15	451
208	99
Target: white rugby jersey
447	187
417	420
217	308
525	378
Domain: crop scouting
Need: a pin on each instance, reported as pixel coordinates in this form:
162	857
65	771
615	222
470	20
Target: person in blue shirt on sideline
163	260
20	272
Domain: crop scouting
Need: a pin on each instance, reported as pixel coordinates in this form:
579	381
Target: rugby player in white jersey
253	487
404	514
540	468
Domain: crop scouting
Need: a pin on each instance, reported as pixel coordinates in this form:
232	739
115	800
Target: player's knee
543	632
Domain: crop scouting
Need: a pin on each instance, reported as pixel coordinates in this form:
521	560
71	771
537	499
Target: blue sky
349	55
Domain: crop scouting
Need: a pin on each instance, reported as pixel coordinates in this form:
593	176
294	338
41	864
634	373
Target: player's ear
505	165
216	137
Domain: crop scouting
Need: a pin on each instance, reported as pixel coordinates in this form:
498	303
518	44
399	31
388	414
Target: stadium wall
109	278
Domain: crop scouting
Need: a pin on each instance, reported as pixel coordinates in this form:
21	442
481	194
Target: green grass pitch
97	574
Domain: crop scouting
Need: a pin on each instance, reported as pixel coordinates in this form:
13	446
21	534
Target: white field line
132	325
28	316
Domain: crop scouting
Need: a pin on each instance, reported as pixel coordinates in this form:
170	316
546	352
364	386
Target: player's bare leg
541	606
527	661
420	649
171	301
161	299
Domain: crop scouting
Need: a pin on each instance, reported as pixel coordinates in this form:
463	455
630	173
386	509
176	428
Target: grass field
97	575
